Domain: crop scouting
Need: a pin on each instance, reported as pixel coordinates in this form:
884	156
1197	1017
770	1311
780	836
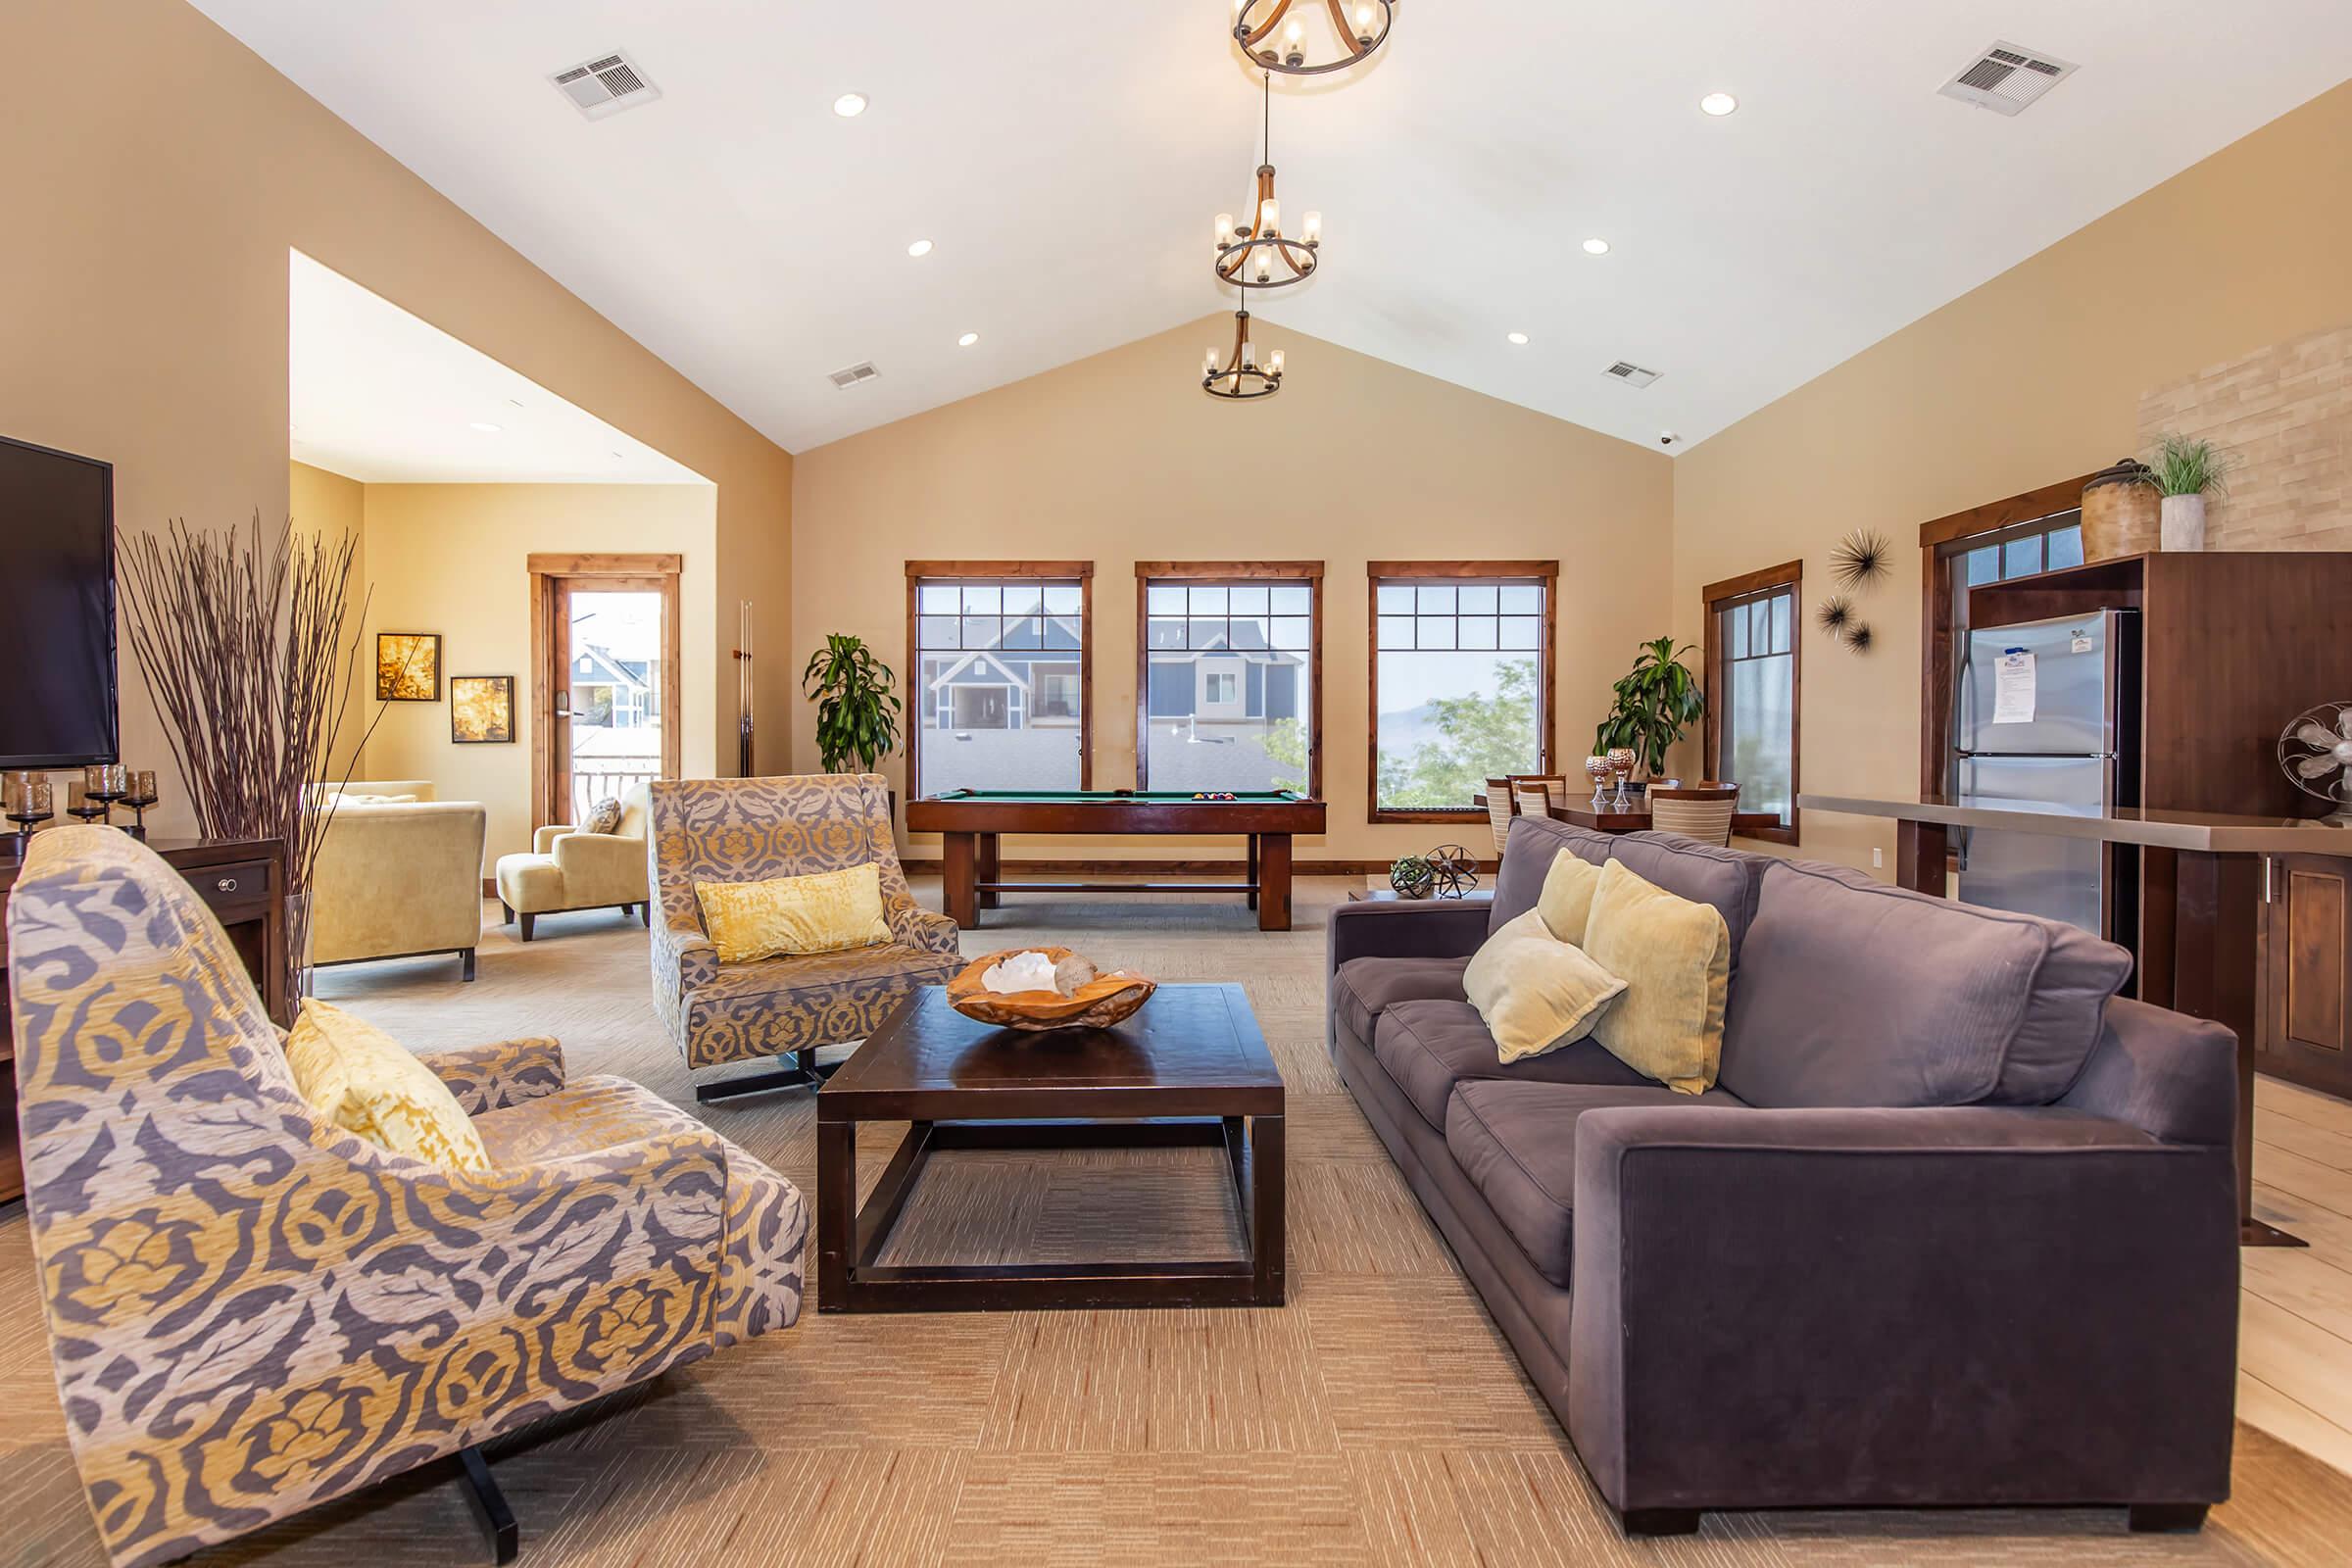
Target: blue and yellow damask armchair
252	1312
749	830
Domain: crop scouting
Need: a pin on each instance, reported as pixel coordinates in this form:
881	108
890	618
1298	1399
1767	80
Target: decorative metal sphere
1412	876
1454	870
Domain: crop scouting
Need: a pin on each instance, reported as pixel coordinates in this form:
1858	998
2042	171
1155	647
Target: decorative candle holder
1621	764
25	800
104	783
1599	771
140	796
80	803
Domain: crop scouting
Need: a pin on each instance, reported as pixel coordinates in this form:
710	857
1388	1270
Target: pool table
969	821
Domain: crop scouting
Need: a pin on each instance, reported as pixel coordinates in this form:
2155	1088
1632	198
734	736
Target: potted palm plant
1657	700
2185	469
857	705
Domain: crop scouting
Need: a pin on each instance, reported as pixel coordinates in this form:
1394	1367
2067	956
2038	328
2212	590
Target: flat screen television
57	608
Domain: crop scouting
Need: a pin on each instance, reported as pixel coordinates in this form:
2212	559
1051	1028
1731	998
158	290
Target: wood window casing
1238	574
551	575
1935	653
1544	573
1790	575
919	573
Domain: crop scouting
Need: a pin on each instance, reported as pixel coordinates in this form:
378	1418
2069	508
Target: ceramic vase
2184	524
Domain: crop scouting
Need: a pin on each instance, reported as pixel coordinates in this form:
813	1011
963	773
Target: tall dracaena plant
1656	701
857	705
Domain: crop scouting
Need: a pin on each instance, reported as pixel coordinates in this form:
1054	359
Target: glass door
606	680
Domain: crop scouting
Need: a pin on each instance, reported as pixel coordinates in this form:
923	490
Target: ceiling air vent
855	375
605	86
1632	374
2006	78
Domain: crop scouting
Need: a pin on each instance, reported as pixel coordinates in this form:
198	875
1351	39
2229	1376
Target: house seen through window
999	683
1228	692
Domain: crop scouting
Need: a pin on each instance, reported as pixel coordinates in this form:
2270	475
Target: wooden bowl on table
1100	1002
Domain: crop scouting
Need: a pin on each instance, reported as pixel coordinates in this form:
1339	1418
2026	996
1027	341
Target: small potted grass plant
2184	469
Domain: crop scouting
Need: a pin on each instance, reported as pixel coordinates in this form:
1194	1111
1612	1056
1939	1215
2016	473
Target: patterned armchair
750	829
251	1311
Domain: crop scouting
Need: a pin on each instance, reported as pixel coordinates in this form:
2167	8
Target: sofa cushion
1527	855
1855	993
1362	987
1517	1144
1429	1046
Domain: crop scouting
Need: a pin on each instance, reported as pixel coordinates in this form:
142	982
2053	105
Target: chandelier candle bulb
1269	216
1311	228
1275	364
1224	230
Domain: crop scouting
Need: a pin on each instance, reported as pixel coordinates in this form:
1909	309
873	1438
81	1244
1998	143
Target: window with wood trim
1752	679
1000	675
2034	531
1461	682
1229	676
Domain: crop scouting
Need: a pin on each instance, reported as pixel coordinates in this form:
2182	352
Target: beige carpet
1378	1418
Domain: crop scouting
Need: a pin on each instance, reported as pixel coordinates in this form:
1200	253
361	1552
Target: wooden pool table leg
1252	878
991	869
1273	882
960	856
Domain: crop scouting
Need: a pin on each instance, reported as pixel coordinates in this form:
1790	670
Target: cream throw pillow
1676	958
825	913
1566	902
366	1082
1536	994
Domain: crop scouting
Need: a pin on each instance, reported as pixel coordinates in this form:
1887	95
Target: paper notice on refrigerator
2013	688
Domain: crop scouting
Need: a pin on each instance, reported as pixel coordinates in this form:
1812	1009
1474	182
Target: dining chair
1701	811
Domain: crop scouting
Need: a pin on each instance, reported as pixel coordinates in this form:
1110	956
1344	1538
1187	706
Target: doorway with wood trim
605	672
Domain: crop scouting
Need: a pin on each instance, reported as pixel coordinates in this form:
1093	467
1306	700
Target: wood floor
1377	1419
2294	1376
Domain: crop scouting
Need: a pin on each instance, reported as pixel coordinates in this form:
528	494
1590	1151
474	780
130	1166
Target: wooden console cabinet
244	882
2304	1028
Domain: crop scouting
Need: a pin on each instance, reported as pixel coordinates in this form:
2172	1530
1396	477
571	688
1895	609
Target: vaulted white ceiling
1066	157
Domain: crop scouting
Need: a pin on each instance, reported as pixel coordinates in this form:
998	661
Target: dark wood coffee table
1191	1068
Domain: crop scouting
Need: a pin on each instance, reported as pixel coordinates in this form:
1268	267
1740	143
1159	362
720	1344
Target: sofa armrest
1900	1307
495	1076
543	840
601	867
913	926
2168	1074
1420	928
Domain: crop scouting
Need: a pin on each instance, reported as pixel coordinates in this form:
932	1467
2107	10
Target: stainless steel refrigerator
2046	718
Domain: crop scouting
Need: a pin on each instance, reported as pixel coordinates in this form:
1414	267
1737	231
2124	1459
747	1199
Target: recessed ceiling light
921	247
1518	337
967	340
1717	104
1596	247
486	427
850	105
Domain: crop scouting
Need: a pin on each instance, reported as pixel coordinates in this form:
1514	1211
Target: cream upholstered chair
1701	811
568	869
399	874
252	1312
1503	804
750	830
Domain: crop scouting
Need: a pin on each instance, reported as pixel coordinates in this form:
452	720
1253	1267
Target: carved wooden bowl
1097	1004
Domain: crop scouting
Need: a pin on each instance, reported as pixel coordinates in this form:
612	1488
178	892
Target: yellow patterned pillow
1674	956
366	1082
820	914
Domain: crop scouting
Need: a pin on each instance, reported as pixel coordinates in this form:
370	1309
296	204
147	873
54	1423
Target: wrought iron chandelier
1256	253
1277	40
1242	378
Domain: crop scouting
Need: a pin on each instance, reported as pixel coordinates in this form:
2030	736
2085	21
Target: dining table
1636	819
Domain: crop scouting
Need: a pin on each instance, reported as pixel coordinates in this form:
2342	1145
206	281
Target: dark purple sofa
1953	1228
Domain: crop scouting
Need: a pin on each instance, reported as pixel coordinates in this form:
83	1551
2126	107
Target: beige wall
2035	376
157	172
453	558
330	507
1121	456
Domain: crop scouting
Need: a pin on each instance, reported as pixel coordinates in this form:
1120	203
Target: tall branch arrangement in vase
238	643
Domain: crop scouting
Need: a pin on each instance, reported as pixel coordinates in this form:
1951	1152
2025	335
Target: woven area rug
1378	1418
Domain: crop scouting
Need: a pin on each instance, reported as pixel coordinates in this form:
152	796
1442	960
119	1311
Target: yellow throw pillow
1536	994
1676	958
366	1082
1566	902
820	914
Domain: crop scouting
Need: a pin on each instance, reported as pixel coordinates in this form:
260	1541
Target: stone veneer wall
2285	413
